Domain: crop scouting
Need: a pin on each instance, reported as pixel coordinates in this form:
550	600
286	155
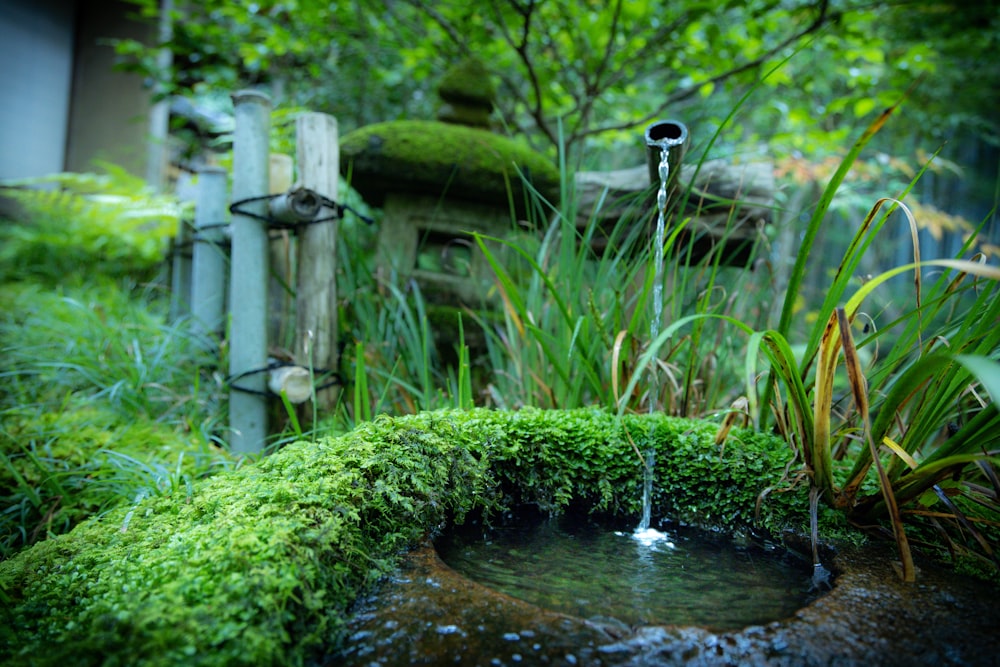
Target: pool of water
689	577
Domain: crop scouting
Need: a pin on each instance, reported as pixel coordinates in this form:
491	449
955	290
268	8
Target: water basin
689	577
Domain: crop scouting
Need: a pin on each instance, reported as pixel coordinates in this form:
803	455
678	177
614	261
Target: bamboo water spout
671	136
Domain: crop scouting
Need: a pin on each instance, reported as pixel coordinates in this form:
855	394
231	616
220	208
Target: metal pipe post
208	274
248	276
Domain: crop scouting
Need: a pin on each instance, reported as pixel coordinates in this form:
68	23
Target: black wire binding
200	237
338	212
335	378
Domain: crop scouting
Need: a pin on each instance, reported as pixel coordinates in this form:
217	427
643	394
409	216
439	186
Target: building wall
36	49
109	113
62	103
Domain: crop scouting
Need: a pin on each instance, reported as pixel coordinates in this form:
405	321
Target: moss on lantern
444	160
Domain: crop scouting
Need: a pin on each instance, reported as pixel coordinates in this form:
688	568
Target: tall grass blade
362	408
821	454
464	384
860	392
803	255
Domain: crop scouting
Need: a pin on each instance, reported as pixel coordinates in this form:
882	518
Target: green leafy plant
928	377
86	219
91	371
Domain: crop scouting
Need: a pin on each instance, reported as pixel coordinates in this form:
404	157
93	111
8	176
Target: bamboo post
249	276
208	274
318	153
280	326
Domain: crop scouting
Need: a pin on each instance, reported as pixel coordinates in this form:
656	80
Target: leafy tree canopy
584	72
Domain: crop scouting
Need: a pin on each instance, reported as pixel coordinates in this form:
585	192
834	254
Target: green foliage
575	316
259	565
589	73
598	68
61	469
111	220
101	341
99	402
394	365
221	45
912	395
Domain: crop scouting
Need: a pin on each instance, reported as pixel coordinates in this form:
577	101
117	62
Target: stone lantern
439	181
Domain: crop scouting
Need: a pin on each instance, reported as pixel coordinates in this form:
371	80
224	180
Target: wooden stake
316	293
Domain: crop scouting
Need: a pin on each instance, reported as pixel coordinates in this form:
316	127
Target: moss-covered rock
258	566
444	160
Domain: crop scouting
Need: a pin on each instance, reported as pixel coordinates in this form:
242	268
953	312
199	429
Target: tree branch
688	92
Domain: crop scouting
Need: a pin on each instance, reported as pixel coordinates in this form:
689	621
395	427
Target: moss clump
441	159
258	565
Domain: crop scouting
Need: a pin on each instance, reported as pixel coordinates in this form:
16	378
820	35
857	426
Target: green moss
440	159
468	82
259	565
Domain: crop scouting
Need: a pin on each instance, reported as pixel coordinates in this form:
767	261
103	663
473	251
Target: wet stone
868	618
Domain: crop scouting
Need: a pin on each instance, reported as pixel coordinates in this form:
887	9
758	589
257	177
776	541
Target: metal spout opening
666	135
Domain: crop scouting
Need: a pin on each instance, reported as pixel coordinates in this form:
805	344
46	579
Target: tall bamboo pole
249	275
208	272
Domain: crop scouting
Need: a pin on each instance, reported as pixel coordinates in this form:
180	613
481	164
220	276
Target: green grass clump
100	401
258	565
57	469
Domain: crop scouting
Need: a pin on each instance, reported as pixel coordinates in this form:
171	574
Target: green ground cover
258	565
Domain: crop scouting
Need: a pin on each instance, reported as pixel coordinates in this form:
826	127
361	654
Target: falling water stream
662	136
